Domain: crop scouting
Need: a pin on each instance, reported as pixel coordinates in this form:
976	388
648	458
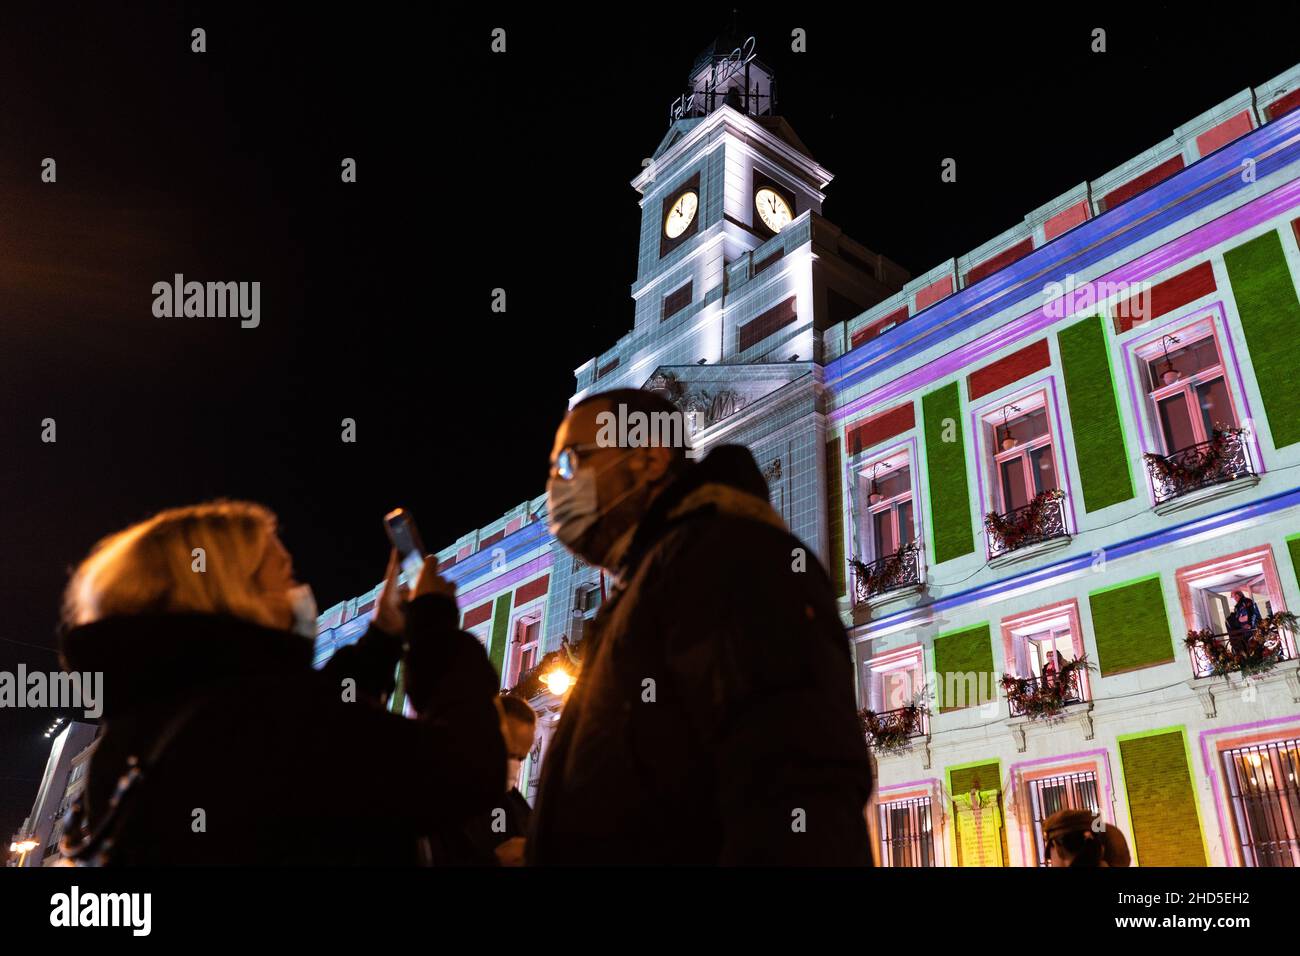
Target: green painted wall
500	632
1161	801
1293	546
986	776
835	518
1270	316
1094	415
1131	626
960	652
950	517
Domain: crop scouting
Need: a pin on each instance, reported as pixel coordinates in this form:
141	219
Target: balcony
1045	697
895	572
1223	459
1247	652
1037	523
894	730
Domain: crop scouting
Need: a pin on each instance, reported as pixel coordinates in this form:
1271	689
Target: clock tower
738	276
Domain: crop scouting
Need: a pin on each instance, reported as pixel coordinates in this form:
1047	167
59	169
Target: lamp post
22	848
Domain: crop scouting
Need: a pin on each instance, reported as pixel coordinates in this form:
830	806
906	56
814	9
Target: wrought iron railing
1055	689
1223	458
899	570
1043	519
1246	651
892	729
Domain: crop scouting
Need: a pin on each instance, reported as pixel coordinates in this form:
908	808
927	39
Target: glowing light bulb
557	681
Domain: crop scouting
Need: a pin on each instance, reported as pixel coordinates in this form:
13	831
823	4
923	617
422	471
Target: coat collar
148	657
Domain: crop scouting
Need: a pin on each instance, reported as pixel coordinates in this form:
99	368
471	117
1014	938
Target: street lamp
557	681
1007	441
1169	374
875	496
23	848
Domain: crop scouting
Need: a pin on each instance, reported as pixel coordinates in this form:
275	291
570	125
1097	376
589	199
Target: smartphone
406	539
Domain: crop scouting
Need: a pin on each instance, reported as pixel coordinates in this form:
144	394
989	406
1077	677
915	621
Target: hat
1067	821
1115	847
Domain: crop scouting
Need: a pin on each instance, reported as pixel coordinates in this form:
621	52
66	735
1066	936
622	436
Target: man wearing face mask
713	720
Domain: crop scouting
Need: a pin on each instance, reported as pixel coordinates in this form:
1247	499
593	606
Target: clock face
681	214
772	209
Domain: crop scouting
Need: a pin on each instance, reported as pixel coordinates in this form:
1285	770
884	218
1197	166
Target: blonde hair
152	567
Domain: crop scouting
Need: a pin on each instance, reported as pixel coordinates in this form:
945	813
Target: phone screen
406	539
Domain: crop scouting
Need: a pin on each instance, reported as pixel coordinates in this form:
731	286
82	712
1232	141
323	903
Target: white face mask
513	767
574	507
303	604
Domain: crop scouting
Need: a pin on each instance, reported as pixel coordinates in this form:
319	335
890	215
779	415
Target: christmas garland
893	730
890	569
1041	699
1192	470
1014	527
1256	651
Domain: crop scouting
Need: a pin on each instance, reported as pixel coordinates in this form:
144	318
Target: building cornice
746	129
1271	147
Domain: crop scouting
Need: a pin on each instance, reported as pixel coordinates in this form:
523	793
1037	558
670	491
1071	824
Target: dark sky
376	296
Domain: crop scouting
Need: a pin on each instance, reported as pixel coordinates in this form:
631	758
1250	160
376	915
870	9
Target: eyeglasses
567	461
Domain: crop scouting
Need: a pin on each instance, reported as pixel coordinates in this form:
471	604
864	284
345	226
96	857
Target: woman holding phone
220	743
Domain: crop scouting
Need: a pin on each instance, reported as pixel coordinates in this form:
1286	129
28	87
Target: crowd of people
714	720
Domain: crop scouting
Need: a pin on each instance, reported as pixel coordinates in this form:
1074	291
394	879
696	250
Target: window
1069	791
586	598
677	300
906	833
524	652
773	320
1265	796
1022	452
895	679
1187	390
770	261
1038	644
885	504
1228	596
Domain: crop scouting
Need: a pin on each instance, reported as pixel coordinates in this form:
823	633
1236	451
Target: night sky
475	171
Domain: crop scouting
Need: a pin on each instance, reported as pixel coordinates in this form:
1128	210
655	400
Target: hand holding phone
406	539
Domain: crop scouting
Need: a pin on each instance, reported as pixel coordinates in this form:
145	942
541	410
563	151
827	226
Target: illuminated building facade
1041	474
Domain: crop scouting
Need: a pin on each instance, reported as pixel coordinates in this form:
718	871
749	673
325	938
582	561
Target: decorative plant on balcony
893	730
1246	652
879	575
1045	698
1019	527
1196	468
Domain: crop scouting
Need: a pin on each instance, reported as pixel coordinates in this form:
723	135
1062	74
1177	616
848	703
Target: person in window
1051	668
713	721
1245	616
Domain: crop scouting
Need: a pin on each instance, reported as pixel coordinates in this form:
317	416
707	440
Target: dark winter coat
284	770
714	718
